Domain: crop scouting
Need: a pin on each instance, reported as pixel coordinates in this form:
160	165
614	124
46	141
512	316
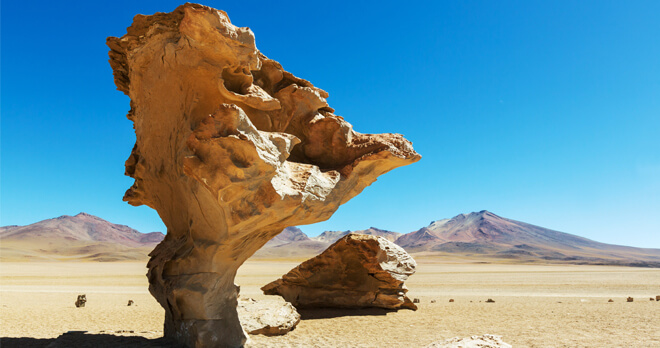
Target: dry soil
535	306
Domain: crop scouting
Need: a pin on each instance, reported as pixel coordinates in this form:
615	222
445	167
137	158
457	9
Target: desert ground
535	306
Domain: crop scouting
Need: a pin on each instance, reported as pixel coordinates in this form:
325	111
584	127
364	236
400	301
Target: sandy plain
535	306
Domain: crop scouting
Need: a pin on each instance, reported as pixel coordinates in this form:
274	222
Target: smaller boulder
415	300
629	299
490	300
80	302
657	298
610	300
130	303
357	271
432	301
452	300
267	317
651	299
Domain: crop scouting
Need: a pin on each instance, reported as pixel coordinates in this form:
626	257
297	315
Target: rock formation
485	341
356	271
81	300
230	150
630	299
267	317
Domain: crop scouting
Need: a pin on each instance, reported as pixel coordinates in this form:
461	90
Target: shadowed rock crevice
230	150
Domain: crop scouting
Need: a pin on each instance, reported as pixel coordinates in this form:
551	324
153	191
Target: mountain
289	235
419	240
484	234
82	236
292	242
476	236
332	236
373	231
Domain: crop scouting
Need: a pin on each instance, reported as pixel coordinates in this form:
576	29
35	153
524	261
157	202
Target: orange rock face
230	150
357	271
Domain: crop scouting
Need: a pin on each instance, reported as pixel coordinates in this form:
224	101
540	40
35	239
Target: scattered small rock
651	299
490	300
629	299
130	303
452	300
491	341
610	300
432	301
80	302
415	300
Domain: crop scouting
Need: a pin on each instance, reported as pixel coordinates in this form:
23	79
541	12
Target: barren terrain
535	306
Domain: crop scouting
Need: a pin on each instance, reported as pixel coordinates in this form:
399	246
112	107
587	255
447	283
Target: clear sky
546	112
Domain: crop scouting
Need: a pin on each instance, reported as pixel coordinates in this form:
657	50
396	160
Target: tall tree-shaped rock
357	271
230	150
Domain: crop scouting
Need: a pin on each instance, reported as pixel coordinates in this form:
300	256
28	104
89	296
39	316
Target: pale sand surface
536	305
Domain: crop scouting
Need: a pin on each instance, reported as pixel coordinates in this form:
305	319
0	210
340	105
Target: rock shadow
85	340
327	313
28	342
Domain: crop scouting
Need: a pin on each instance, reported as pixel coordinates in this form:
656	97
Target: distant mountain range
475	236
482	235
83	236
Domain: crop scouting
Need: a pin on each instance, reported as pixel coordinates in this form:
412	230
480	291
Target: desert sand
535	306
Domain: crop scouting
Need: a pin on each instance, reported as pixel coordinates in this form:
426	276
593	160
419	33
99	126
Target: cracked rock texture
230	150
357	271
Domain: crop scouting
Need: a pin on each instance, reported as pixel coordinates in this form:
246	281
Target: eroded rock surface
357	271
267	317
485	341
230	150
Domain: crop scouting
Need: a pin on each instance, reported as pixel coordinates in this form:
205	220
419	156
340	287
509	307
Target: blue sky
544	112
